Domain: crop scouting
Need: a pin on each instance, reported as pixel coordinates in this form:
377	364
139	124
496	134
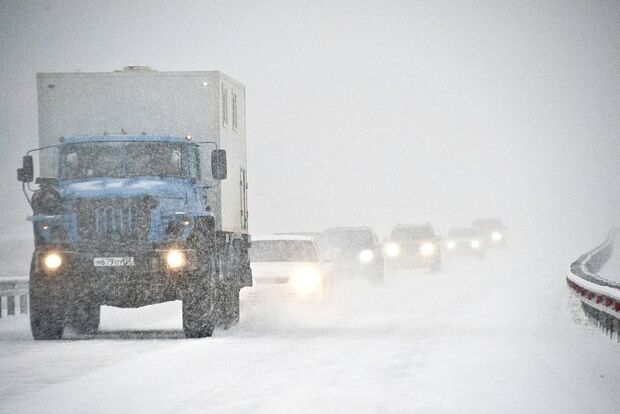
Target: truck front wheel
47	305
199	315
85	317
200	303
230	305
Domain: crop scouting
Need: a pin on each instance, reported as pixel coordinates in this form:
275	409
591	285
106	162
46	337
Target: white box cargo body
209	106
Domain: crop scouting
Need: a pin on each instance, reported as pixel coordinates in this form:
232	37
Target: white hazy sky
365	112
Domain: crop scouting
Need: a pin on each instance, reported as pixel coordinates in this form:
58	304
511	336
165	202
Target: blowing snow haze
361	113
425	179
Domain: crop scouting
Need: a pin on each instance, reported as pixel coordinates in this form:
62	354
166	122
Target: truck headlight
306	281
451	245
392	249
52	261
496	236
427	249
366	256
175	259
475	244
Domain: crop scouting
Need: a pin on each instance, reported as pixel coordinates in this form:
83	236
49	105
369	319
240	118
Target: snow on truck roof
124	138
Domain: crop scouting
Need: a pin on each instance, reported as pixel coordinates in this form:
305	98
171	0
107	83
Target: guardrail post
10	305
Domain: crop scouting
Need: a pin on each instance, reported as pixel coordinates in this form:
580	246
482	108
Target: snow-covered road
481	336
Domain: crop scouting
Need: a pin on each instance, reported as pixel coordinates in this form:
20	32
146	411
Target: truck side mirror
218	164
26	173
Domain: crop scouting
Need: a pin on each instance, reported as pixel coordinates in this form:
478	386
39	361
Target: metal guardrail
600	297
13	297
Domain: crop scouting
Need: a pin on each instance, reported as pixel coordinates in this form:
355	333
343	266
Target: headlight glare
392	249
427	249
475	244
451	245
52	261
366	256
175	259
306	281
496	236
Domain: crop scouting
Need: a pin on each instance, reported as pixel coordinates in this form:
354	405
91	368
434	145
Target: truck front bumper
122	276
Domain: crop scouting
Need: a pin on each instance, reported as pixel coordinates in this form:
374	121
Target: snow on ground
493	335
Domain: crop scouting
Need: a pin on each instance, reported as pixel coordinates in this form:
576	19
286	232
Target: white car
287	266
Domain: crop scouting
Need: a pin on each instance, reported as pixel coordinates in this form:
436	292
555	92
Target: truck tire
199	312
84	317
200	307
47	305
238	274
229	302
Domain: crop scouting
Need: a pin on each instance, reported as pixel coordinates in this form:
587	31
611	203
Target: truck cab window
156	159
116	160
91	160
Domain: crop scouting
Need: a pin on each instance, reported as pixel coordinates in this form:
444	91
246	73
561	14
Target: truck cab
126	222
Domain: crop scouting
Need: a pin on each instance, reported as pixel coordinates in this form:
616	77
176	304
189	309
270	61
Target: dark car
358	252
493	231
465	241
413	246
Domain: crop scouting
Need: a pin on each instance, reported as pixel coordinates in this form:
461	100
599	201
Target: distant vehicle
493	231
465	241
413	246
287	266
358	252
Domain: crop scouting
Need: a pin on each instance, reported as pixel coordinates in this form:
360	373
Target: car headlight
366	256
451	245
427	249
306	281
392	250
475	244
52	261
496	236
175	259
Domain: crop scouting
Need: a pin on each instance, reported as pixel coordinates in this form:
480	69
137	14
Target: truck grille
113	219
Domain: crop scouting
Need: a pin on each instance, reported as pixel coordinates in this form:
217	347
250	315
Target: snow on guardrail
600	297
13	296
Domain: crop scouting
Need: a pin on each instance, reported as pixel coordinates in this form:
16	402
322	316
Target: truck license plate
113	261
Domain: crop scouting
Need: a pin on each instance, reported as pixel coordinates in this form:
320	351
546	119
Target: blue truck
131	219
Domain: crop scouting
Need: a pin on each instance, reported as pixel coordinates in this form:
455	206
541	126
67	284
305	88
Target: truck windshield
124	159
